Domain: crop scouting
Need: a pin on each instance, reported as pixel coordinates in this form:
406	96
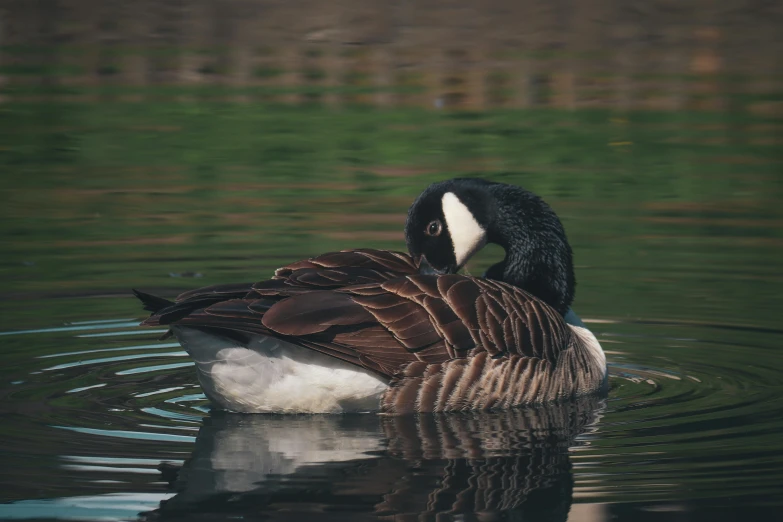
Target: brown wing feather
370	308
223	291
519	324
385	263
336	270
314	312
468	313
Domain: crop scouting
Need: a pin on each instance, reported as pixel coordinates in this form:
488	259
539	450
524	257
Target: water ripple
688	416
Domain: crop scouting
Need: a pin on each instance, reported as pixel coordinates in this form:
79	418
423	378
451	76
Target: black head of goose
452	220
365	330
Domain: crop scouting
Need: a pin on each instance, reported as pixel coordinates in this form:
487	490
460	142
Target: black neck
538	256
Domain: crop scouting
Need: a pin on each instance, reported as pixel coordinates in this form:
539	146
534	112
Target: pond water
677	230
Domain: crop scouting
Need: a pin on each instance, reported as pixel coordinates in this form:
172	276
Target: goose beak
427	269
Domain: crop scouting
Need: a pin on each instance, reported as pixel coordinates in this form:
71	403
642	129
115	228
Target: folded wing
371	308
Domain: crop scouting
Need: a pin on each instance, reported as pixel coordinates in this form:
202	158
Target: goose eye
434	228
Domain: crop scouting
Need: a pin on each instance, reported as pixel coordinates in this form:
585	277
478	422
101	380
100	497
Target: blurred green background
164	145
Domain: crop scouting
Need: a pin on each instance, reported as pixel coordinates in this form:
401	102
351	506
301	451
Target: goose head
452	220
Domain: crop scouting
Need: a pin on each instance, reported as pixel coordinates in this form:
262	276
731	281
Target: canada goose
363	330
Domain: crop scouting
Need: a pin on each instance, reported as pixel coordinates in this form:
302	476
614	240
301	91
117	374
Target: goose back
443	342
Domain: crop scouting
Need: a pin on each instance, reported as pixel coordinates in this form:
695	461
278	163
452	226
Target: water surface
676	227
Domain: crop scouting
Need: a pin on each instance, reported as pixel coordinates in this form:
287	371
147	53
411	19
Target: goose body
374	330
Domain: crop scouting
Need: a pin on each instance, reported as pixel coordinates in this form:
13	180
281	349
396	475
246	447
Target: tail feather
152	303
167	312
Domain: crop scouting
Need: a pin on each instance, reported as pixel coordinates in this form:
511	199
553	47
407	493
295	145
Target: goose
377	330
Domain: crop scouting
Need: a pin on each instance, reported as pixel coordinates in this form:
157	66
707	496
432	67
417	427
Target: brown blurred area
659	55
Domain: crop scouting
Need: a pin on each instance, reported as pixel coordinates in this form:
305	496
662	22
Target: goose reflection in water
486	466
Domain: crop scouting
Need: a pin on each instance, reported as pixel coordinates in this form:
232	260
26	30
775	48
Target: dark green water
677	229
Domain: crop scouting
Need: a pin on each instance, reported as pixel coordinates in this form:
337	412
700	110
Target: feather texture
444	342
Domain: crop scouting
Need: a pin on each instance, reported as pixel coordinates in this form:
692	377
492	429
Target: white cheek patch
467	236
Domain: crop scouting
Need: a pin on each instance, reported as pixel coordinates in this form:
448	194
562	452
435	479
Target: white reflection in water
125	434
390	465
109	507
114	359
81	326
